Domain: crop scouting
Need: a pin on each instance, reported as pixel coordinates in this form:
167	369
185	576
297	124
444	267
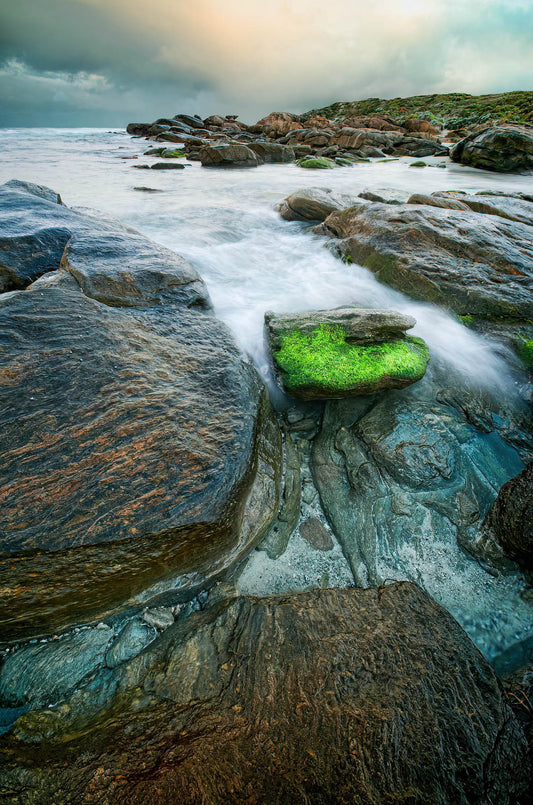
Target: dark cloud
105	62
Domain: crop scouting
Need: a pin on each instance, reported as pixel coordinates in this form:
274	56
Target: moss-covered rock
323	361
317	162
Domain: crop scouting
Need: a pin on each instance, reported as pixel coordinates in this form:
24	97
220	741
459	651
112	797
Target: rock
418	164
498	148
45	673
215	120
272	152
373	122
233	156
147	442
314	532
160	618
132	639
313	204
447	203
316	162
513	208
415	125
138	129
166	166
276	124
282	700
277	539
37	190
406	481
415	147
189	120
511	518
344	352
148	189
475	265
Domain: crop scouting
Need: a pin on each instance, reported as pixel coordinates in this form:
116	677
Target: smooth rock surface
231	155
333	696
511	518
313	204
133	432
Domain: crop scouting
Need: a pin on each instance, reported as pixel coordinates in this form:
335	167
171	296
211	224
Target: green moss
324	362
316	162
526	353
418	164
466	320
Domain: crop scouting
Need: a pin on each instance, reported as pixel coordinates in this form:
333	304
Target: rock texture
344	352
137	443
313	204
511	518
498	148
333	696
480	265
236	156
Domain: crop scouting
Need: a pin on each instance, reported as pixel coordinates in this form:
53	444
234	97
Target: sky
110	62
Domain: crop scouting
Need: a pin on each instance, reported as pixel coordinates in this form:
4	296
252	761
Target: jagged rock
499	148
147	443
190	120
331	696
232	155
476	265
313	204
344	352
511	518
276	124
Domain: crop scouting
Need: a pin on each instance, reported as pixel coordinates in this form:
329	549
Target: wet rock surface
140	429
479	265
330	696
498	148
511	518
313	204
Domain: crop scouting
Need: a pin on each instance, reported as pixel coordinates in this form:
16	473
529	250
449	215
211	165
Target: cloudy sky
108	62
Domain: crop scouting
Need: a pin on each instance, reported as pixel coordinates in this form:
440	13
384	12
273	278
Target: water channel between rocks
223	222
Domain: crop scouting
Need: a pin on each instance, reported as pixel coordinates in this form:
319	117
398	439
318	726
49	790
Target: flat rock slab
134	436
344	352
480	265
332	696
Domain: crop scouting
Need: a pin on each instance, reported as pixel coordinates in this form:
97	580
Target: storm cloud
107	62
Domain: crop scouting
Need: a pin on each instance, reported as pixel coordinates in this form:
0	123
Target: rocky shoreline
143	464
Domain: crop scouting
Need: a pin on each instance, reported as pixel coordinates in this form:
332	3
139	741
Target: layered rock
479	265
498	148
137	443
329	696
344	352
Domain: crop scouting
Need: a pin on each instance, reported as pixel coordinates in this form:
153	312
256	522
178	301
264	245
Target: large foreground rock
500	148
333	696
344	352
511	518
480	265
314	204
137	444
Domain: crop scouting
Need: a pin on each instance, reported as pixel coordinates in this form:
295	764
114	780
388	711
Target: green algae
525	352
324	363
317	162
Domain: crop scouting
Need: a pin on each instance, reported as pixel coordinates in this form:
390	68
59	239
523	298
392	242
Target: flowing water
223	222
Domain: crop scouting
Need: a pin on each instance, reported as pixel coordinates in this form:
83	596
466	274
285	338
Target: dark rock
233	155
190	120
148	189
314	532
476	265
511	518
276	541
147	443
313	204
135	636
272	152
138	129
415	147
499	148
283	700
345	352
165	166
34	190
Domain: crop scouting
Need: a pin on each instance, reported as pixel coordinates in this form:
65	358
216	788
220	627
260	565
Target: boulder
317	163
413	124
476	265
344	352
229	156
313	204
511	518
513	208
137	443
498	148
444	202
165	166
373	122
190	120
276	124
272	152
329	696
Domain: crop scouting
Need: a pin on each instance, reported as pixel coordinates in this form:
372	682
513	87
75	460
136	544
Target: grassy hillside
454	109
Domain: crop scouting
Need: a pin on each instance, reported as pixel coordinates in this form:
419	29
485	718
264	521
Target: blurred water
223	222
